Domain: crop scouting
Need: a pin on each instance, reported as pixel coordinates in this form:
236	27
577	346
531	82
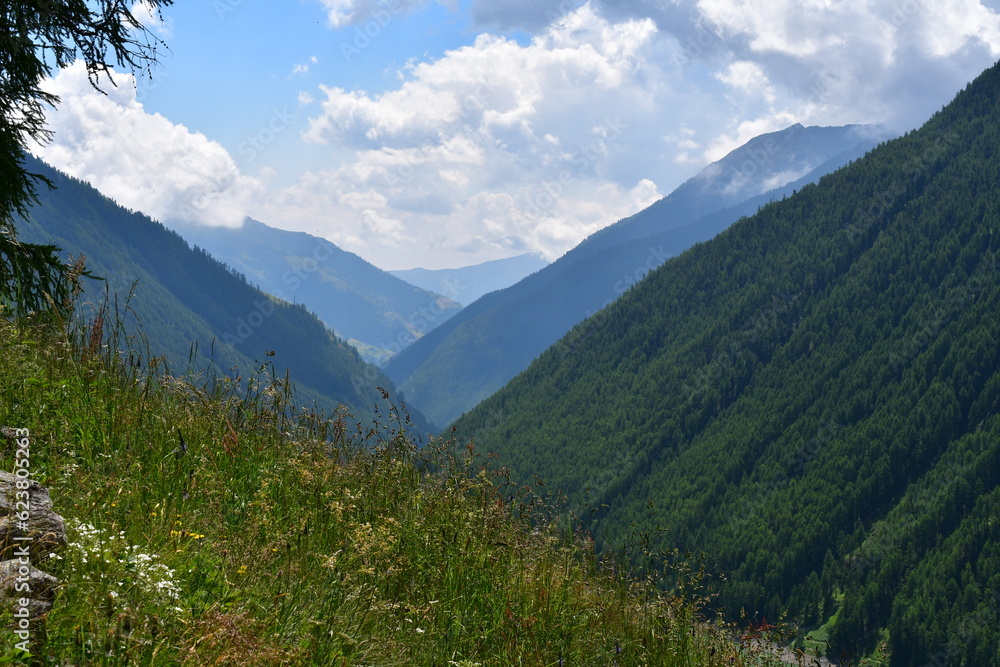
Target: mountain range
376	312
472	355
810	399
196	313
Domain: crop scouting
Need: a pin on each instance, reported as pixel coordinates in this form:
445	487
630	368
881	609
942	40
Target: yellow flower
184	533
242	570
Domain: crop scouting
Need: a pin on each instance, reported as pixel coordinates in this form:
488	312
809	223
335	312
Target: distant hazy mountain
375	311
475	353
468	283
765	163
184	297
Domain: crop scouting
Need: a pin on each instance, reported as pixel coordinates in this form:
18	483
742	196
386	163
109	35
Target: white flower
113	549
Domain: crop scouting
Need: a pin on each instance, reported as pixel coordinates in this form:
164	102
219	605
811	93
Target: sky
444	133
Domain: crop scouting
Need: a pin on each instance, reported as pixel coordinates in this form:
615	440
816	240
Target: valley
466	334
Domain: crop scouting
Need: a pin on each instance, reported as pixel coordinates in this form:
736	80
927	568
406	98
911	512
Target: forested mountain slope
475	353
184	296
375	311
811	398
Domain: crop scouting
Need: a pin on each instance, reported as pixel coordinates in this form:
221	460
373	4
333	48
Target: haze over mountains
468	283
811	399
376	312
475	353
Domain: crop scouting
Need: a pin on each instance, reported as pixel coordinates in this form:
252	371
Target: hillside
207	526
468	283
184	298
475	353
375	311
811	398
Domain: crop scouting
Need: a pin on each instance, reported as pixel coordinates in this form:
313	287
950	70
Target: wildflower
185	533
133	567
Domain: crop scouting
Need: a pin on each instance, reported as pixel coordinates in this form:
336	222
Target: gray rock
23	582
45	529
29	532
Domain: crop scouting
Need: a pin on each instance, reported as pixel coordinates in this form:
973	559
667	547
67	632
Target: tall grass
215	522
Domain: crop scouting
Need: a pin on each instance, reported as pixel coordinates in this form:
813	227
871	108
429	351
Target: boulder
30	531
44	529
20	581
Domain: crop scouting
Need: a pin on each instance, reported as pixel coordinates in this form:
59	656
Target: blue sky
446	133
232	63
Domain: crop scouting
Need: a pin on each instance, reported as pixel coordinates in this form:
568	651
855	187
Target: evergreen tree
37	37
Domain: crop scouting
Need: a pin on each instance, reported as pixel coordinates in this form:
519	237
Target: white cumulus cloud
143	161
491	148
857	60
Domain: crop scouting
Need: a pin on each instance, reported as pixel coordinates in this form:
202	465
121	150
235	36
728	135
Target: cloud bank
142	161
